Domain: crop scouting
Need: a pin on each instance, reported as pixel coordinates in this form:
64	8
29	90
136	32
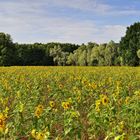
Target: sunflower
38	111
66	105
121	126
127	100
52	104
33	133
97	105
37	135
94	86
79	99
60	86
2	122
105	100
40	136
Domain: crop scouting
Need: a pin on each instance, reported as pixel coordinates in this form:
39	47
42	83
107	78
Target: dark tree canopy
7	50
130	44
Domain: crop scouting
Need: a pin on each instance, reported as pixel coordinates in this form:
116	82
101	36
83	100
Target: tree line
126	52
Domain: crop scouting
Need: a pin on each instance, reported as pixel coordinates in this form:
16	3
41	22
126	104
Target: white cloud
123	12
110	32
60	30
84	5
31	21
66	31
97	6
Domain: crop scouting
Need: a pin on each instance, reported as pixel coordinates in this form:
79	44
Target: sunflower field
69	103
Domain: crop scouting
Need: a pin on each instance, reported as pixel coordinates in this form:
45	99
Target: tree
130	44
89	47
95	56
78	57
98	55
59	56
7	50
111	54
138	54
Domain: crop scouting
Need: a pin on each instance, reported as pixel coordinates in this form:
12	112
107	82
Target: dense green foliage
127	52
7	50
130	44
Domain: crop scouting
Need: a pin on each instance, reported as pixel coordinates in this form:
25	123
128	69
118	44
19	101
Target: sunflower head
2	122
52	104
38	111
105	100
66	105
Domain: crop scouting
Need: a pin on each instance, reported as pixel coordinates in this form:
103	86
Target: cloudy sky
73	21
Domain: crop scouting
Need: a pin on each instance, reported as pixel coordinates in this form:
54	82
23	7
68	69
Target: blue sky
73	21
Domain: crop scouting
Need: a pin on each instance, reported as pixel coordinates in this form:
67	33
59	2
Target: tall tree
138	54
111	54
7	50
59	56
130	44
